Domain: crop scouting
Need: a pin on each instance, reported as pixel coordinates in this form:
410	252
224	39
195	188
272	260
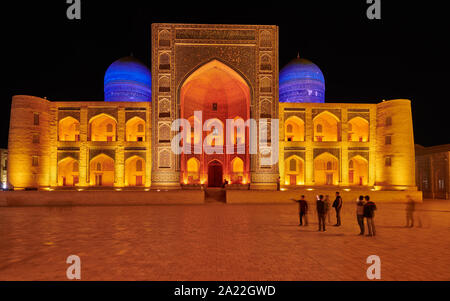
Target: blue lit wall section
127	79
301	81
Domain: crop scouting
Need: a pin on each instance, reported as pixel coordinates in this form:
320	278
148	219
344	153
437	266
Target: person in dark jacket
321	211
337	204
369	214
410	208
302	210
360	213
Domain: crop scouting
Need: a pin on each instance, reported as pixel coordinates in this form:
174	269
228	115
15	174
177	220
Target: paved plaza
216	241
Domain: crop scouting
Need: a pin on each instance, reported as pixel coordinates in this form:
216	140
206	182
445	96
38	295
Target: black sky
403	55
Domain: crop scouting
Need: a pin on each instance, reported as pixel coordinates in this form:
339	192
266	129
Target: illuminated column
83	161
372	145
344	147
119	160
148	139
309	160
281	146
53	127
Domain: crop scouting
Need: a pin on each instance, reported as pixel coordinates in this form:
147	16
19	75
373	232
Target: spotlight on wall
347	189
310	189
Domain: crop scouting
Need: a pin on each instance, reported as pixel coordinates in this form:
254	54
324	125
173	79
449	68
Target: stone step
215	195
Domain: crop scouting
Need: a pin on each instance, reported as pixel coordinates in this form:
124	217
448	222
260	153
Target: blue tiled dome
301	81
127	79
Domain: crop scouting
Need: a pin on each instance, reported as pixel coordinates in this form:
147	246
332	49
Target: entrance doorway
329	179
98	180
215	174
292	179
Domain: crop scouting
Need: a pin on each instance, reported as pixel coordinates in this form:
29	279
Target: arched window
75	166
350	127
293	165
139	165
319	128
388	121
99	166
265	39
289	128
265	62
164	61
164	38
109	127
329	165
140	128
350	164
266	85
164	84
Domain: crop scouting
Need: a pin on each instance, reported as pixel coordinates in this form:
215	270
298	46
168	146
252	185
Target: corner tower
395	146
29	142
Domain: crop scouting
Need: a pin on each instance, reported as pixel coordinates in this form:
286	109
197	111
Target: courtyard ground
216	241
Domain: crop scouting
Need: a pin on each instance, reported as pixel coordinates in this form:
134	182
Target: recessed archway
68	172
135	171
358	171
193	171
358	129
135	129
101	171
326	169
69	129
102	127
237	171
294	128
294	172
326	127
220	93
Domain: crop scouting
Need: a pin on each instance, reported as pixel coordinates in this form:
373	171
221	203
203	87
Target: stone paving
219	242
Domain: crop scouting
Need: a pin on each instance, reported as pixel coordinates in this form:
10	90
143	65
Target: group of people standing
365	209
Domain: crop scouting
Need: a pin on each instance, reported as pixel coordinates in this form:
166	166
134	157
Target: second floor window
36	119
35	161
387	161
388	140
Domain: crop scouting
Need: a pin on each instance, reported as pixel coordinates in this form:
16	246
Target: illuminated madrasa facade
226	72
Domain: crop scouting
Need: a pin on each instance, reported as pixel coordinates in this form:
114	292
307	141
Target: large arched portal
220	93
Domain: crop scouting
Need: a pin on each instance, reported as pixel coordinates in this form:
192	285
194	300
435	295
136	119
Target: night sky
403	55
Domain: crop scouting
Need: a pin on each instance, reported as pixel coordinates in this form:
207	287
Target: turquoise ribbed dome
128	79
301	81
